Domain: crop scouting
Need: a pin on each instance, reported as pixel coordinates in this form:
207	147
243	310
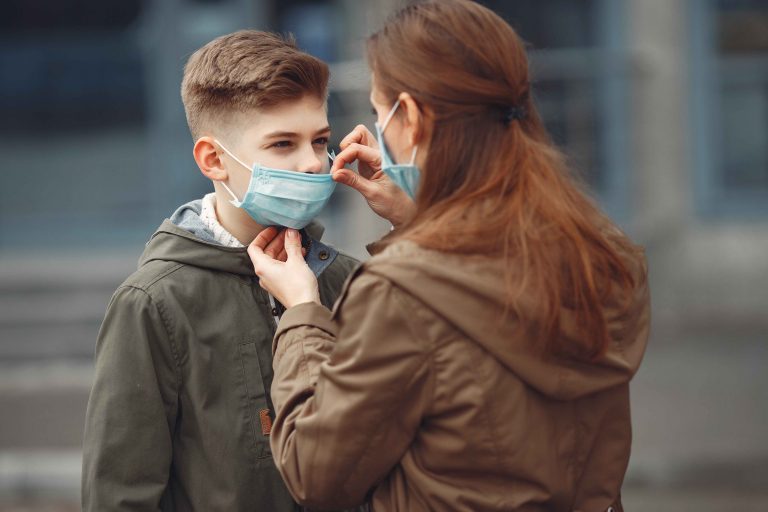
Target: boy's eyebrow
294	134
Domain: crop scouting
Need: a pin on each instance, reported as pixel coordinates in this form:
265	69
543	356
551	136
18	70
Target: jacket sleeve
132	408
350	391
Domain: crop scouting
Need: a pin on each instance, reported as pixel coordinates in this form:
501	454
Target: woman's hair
493	181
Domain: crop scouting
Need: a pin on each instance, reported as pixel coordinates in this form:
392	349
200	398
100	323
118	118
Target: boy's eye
322	141
281	144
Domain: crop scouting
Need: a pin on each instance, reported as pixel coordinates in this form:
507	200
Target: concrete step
53	312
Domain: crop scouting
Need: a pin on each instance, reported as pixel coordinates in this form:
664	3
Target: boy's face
292	135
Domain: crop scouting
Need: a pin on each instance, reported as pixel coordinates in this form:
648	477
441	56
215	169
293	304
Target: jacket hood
185	239
478	284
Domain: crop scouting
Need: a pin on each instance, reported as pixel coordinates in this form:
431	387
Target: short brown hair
245	70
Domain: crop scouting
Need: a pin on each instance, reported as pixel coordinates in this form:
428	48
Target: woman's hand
385	198
290	282
276	244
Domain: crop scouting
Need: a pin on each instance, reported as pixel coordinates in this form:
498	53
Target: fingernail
292	234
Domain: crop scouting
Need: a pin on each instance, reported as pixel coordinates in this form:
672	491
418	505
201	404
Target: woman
481	359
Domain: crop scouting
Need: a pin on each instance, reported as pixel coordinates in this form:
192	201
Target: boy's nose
311	163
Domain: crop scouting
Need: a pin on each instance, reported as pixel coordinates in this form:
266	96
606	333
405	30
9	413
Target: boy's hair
246	70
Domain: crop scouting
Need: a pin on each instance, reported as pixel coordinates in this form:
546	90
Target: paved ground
692	500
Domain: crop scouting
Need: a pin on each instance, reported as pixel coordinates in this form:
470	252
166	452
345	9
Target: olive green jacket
180	413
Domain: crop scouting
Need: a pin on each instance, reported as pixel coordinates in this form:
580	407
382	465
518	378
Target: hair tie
514	113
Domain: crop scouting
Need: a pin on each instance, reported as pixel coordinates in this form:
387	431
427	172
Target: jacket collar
173	243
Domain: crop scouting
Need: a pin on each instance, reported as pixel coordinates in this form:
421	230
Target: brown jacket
418	393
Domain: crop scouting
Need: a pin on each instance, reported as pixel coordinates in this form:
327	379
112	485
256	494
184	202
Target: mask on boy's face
276	197
405	176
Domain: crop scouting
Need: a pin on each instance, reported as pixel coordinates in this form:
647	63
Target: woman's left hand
291	282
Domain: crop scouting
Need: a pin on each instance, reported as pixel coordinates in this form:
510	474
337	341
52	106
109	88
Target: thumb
257	255
293	244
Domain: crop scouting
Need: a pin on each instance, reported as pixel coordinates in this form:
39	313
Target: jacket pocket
259	414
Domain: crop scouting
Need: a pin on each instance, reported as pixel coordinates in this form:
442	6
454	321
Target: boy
180	414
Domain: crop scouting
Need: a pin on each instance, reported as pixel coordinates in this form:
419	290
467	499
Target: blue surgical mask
276	197
405	176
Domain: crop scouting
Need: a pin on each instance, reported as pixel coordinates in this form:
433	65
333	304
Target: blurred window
730	106
313	25
95	142
69	65
579	68
72	105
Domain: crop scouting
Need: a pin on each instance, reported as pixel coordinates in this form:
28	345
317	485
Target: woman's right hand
385	198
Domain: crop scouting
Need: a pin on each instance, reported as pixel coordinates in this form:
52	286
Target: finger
355	181
263	239
256	253
283	256
360	134
355	151
355	136
343	159
378	176
275	247
293	244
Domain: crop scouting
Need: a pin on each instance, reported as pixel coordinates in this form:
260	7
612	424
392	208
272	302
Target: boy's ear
208	157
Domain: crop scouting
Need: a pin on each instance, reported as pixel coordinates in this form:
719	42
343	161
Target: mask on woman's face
277	197
405	176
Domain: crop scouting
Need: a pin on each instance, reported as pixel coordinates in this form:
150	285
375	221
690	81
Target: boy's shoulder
157	278
149	274
343	265
345	261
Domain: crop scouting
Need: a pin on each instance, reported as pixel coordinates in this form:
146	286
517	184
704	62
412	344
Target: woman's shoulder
407	251
400	249
392	265
408	256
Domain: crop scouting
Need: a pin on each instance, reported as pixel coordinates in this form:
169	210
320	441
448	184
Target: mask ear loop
235	201
390	115
331	157
234	197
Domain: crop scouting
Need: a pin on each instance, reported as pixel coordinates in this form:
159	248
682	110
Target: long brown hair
493	181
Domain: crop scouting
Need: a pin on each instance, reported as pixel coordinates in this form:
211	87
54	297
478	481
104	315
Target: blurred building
661	105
